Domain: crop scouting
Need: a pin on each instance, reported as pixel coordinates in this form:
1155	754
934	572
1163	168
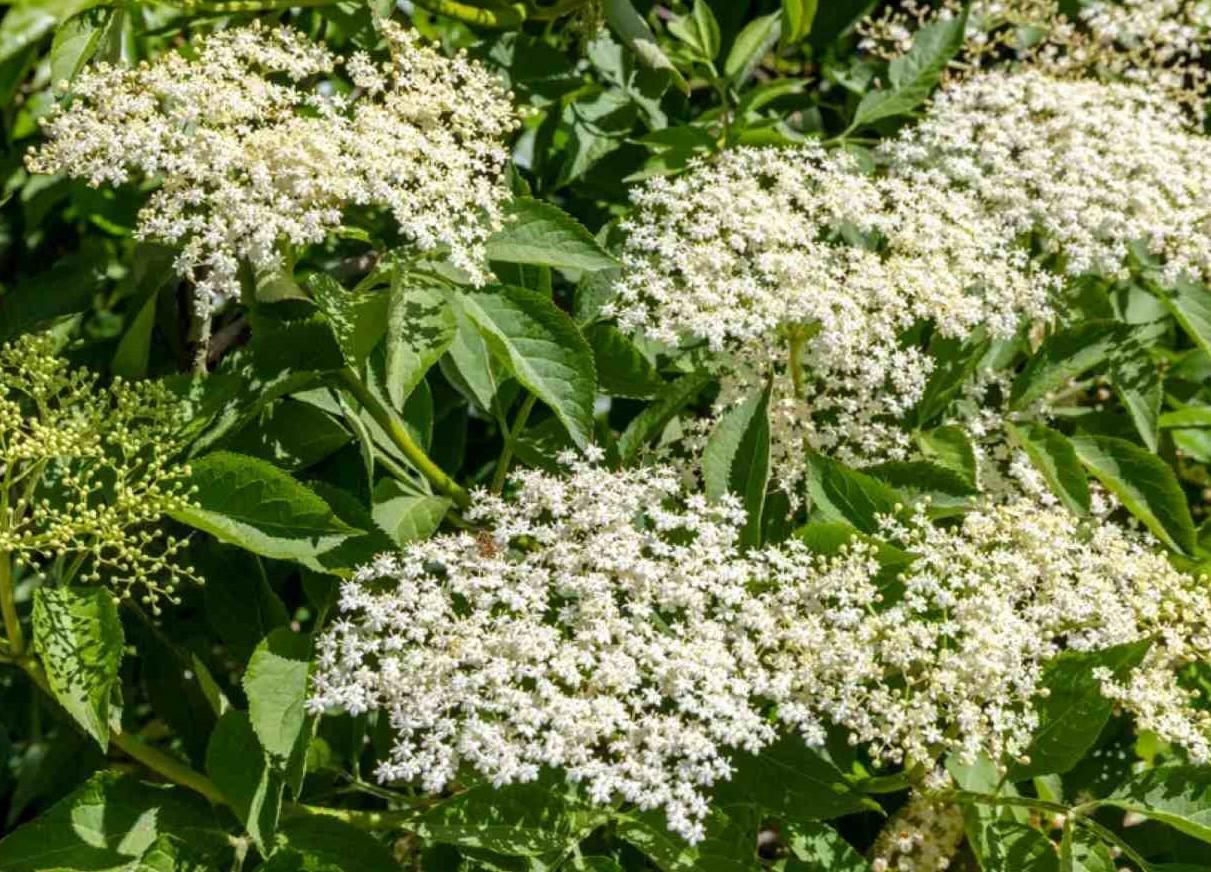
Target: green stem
797	342
969	798
506	453
8	608
398	434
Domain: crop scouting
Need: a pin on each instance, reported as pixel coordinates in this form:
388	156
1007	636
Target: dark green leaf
622	369
1143	483
241	606
1066	355
78	637
648	423
358	320
1191	306
76	40
238	766
522	820
638	37
328	845
64	289
1137	381
950	447
922	476
108	824
290	435
1080	851
844	494
1075	710
253	504
737	460
791	781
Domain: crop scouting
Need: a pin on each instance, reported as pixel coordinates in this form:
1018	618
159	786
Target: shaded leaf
236	763
78	637
1054	456
737	460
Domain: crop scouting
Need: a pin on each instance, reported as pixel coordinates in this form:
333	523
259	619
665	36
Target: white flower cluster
250	154
923	836
765	250
1157	43
1089	168
607	624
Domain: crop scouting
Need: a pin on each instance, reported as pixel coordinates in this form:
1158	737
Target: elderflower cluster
923	836
251	155
608	624
1157	43
86	473
795	262
1088	168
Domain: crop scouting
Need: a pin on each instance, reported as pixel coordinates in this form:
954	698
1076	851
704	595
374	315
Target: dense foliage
605	435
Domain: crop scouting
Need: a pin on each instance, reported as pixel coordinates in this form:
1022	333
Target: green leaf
671	400
241	606
542	348
790	780
737	460
844	494
322	844
78	637
1074	712
914	75
817	847
290	435
1010	846
131	358
253	504
951	448
1081	851
922	476
954	364
798	16
358	319
1143	483
1056	459
76	41
236	763
1192	417
1066	355
110	822
276	685
649	832
1137	381
1191	305
622	369
421	325
64	289
699	30
521	820
407	517
752	44
1179	796
638	37
537	232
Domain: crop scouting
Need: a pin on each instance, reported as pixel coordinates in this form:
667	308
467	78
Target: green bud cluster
87	471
